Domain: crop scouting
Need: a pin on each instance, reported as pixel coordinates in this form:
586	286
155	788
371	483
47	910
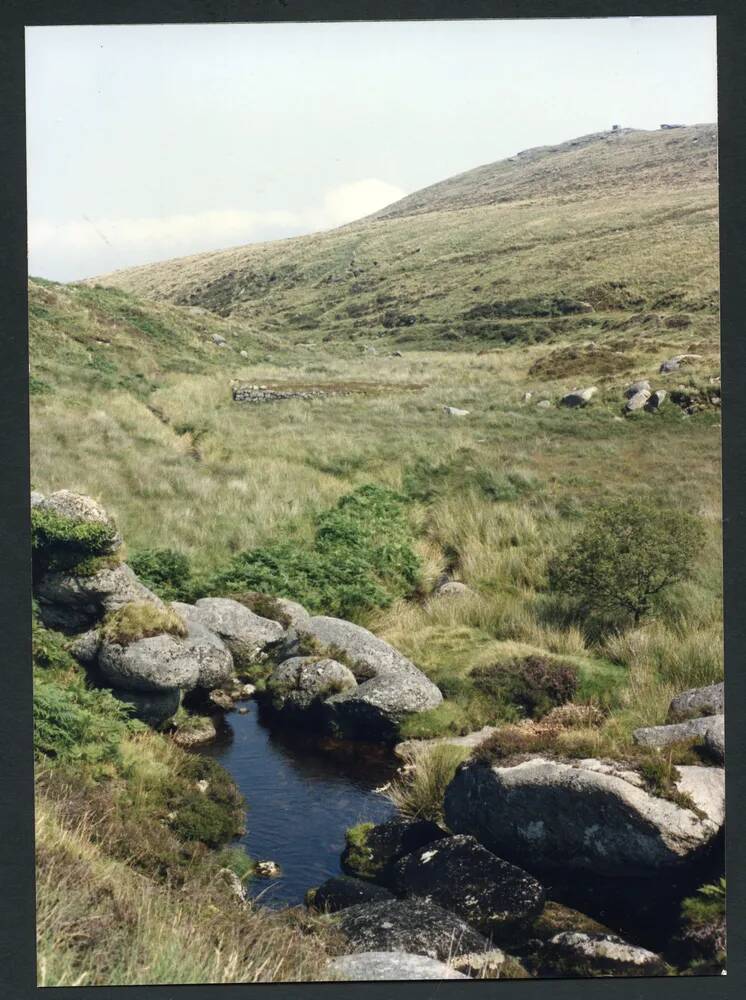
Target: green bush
361	558
625	556
75	723
535	684
59	543
167	572
213	817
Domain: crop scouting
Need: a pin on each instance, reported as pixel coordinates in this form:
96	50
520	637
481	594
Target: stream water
302	794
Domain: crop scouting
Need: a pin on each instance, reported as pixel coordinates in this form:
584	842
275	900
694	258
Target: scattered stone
202	785
341	891
637	402
244	354
469	741
656	400
454	411
642	386
527	396
452	588
218	340
372	851
196	735
583	955
222	700
389	965
267	869
546	814
36	498
678	732
543	404
697	702
243	711
493	964
673	364
246	635
490	894
411	925
579	397
246	691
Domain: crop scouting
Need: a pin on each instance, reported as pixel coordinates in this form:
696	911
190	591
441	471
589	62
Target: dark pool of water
302	794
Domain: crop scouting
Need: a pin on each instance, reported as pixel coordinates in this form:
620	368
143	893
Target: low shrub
535	684
703	927
212	817
140	620
75	723
361	558
59	543
50	650
165	571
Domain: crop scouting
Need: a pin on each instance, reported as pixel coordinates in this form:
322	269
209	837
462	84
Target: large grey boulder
82	509
452	588
300	683
247	635
163	662
411	925
390	687
579	397
678	732
73	602
697	702
574	954
385	965
590	815
491	895
36	498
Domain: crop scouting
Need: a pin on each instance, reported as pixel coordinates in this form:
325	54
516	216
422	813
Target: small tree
625	556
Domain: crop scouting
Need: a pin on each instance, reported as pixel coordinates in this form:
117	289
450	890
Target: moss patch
140	620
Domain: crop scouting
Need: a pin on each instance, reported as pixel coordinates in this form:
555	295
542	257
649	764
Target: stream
302	793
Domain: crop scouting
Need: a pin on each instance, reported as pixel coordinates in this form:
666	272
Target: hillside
622	221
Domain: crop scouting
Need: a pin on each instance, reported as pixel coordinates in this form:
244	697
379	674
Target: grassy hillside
620	221
582	265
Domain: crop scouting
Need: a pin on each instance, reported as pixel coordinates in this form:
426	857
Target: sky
155	141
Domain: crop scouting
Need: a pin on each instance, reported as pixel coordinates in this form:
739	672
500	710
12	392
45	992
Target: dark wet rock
246	635
677	732
656	401
371	851
578	397
73	601
410	925
151	707
584	814
342	891
574	954
637	402
389	965
491	895
697	702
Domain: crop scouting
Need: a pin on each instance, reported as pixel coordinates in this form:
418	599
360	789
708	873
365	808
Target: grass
427	771
132	404
139	620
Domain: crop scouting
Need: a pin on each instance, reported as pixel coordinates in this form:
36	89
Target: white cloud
98	245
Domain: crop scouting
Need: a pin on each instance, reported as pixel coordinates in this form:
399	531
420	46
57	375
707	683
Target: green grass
140	620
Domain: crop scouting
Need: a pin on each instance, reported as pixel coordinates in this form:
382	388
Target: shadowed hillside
624	221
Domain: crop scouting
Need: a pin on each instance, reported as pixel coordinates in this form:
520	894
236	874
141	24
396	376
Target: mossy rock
141	620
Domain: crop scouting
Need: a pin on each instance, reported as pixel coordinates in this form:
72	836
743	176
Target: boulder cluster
324	672
475	896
